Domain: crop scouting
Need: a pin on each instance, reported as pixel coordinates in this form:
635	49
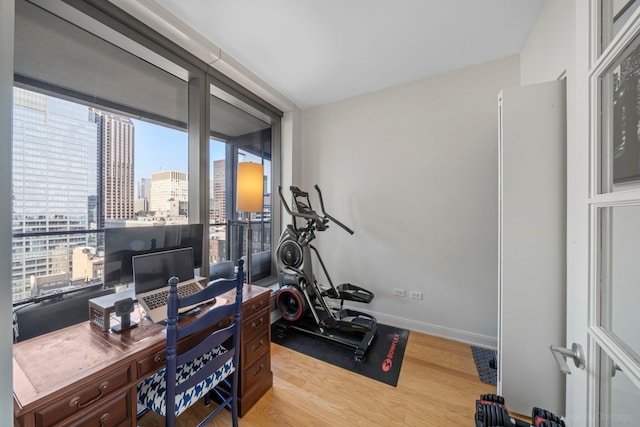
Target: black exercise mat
383	359
486	364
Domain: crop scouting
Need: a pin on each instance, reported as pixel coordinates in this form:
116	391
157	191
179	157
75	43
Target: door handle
575	352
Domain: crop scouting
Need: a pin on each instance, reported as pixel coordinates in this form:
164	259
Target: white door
603	208
531	244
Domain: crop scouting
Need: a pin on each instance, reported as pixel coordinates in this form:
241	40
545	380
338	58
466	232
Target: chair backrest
218	315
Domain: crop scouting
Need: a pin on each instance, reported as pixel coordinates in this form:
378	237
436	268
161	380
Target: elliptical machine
300	300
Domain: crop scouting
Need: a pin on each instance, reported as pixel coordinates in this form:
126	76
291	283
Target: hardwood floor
438	386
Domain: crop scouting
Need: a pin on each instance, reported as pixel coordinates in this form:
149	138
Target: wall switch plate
398	292
416	295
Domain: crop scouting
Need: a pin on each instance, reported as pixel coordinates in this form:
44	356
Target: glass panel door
604	206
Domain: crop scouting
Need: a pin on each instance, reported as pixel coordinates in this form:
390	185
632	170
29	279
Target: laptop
151	274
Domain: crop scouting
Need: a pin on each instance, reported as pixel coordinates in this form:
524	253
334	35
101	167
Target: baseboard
439	331
425	328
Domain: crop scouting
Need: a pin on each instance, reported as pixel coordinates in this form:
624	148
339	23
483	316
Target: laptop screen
153	271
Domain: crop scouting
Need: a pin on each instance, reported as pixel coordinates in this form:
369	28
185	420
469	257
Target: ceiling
319	51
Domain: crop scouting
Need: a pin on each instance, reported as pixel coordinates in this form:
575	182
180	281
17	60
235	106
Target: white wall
6	108
413	170
550	47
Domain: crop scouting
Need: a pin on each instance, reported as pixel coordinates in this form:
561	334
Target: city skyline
159	148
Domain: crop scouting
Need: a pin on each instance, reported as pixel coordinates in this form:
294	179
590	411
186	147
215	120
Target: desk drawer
255	325
151	364
88	397
254	348
255	372
114	413
257	305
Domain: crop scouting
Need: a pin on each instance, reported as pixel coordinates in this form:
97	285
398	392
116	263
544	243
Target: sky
160	148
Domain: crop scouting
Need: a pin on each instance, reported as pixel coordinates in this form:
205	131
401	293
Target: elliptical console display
301	300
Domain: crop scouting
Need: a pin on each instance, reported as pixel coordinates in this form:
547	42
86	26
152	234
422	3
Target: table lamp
250	197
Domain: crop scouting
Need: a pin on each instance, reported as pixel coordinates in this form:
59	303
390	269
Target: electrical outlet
415	295
398	292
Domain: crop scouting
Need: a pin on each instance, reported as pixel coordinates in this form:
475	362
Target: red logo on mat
388	362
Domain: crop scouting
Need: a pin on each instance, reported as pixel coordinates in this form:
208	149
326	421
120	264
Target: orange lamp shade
250	189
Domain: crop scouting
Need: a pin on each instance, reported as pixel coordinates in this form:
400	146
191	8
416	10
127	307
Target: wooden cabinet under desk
255	351
81	376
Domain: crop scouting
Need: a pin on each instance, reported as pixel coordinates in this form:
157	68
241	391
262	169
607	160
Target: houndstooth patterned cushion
152	391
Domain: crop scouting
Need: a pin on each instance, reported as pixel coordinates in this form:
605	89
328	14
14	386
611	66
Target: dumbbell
543	418
491	411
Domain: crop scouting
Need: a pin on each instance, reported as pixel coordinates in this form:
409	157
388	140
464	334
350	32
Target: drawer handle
256	325
103	418
256	307
256	347
158	358
76	400
256	373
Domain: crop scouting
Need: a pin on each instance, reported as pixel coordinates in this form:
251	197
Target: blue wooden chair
211	366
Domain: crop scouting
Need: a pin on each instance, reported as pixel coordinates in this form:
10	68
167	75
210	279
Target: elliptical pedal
350	292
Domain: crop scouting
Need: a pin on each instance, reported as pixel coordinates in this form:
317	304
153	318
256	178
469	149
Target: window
102	138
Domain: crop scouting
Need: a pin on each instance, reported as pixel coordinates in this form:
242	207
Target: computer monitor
122	244
153	271
34	319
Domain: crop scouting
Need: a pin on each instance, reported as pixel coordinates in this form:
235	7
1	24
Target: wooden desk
82	376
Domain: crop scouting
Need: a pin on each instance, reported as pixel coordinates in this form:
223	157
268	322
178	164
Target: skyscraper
54	179
115	166
143	195
144	188
169	189
219	204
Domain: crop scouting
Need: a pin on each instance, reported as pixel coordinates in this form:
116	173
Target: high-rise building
144	189
87	264
169	192
54	180
219	204
141	203
115	166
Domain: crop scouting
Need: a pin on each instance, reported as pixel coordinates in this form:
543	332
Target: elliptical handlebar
311	214
347	229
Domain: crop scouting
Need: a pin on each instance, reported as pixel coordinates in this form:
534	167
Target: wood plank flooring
438	386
